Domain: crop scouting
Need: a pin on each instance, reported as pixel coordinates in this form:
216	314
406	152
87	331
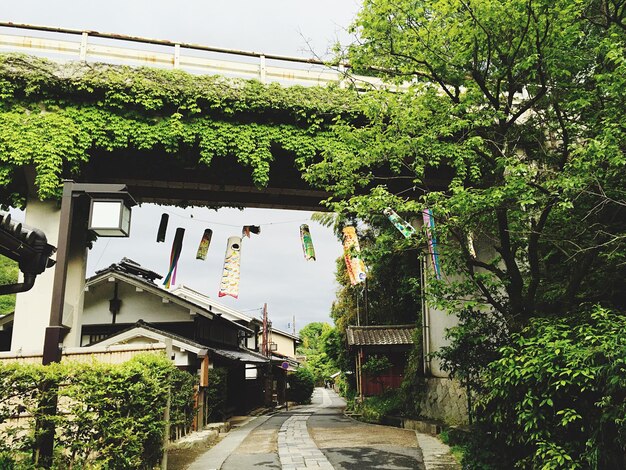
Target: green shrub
182	402
556	397
374	409
301	384
109	416
215	394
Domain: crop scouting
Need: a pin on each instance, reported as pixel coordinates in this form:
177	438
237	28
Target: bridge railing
63	44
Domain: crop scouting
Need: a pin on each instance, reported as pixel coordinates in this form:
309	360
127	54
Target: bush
301	384
215	395
374	409
109	416
556	397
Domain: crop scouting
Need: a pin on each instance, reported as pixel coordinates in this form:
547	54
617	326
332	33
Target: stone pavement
296	449
285	440
215	457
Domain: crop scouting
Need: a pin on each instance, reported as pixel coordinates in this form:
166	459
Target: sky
273	268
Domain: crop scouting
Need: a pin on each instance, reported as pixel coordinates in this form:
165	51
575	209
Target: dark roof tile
380	335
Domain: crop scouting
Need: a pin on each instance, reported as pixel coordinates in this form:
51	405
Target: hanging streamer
354	263
203	248
248	229
177	247
162	228
429	224
405	228
307	242
230	275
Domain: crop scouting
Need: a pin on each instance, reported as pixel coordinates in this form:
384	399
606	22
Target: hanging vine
53	117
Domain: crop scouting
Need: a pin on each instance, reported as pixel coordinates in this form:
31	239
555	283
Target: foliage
8	275
301	385
411	388
509	128
374	409
555	399
391	295
110	416
311	336
315	337
55	117
376	366
216	393
182	398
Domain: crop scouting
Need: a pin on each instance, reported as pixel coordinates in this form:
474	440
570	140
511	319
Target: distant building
393	341
123	305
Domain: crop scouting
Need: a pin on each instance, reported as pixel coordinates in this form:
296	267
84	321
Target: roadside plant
109	416
555	399
301	385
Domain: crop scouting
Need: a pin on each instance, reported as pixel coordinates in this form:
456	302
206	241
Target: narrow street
319	436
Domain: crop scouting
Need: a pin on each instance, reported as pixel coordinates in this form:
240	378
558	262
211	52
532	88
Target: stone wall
444	400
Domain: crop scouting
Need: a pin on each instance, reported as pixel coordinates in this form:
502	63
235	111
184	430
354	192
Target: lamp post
109	217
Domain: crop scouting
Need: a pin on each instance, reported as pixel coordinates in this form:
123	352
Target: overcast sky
273	268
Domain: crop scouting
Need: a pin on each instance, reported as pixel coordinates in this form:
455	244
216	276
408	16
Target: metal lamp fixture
109	217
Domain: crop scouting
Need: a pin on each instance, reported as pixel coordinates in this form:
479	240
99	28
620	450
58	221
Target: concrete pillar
32	308
438	320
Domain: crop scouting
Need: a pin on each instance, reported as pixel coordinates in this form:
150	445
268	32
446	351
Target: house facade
393	342
124	305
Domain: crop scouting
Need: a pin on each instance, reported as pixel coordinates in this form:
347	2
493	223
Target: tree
318	363
511	126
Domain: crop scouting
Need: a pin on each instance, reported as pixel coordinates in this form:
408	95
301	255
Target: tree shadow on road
359	458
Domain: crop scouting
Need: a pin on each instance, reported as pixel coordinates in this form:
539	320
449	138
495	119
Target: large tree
510	120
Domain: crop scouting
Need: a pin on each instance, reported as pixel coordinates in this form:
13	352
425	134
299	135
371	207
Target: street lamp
109	216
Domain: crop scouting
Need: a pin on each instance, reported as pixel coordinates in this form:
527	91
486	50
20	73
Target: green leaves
55	117
556	391
111	415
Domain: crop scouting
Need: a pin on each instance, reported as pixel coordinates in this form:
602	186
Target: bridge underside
180	180
167	179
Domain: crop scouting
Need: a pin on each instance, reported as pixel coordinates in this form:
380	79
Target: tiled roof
380	335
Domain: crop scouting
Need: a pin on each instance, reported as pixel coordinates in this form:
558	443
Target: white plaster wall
441	320
284	343
135	306
32	308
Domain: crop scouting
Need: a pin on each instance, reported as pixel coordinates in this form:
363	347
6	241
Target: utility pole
265	335
294	325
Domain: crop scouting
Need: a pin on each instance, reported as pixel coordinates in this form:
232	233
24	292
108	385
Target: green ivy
53	117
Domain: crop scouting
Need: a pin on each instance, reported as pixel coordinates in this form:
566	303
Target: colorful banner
248	229
405	228
203	248
177	248
230	275
429	226
354	263
307	242
162	228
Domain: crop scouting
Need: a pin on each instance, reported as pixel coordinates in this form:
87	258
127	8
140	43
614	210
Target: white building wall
32	308
135	305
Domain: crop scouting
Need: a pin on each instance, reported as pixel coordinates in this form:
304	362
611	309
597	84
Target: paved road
315	436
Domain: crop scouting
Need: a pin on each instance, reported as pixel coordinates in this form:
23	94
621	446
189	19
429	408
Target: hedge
109	416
